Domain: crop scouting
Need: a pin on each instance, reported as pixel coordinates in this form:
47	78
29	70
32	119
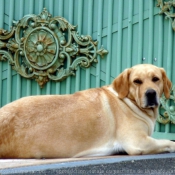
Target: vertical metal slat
160	42
41	5
29	83
80	15
170	49
109	42
90	8
120	33
2	4
1	26
160	54
60	13
60	8
169	61
130	29
9	71
21	13
99	38
140	38
150	46
51	6
68	79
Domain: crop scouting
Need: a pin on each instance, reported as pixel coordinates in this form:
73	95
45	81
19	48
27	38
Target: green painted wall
131	30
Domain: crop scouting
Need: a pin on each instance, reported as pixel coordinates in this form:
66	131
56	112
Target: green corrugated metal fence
131	30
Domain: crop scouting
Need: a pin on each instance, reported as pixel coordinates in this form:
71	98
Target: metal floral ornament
41	48
167	109
46	48
167	8
167	106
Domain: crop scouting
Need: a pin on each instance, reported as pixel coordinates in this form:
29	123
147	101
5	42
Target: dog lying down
95	122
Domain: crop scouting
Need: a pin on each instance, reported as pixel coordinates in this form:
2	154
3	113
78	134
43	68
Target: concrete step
118	164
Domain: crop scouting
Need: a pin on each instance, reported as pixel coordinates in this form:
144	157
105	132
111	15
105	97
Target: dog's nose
151	98
150	93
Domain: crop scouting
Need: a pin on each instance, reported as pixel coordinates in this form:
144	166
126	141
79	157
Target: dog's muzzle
151	98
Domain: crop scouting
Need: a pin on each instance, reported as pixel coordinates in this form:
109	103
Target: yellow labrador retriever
94	122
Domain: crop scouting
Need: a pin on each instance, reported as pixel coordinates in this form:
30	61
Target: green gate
128	32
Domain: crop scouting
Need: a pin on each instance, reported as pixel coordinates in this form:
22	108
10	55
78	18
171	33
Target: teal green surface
131	30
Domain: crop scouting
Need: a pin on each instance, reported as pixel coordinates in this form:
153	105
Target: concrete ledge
146	164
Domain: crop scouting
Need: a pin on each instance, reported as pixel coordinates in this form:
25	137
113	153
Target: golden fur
94	122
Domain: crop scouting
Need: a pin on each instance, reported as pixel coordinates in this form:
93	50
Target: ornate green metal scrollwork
167	109
167	9
46	48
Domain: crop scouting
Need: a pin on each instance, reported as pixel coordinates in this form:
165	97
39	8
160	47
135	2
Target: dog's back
54	125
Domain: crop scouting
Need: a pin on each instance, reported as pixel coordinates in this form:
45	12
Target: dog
101	121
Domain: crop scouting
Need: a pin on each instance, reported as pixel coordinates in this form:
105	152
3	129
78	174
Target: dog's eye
155	79
137	81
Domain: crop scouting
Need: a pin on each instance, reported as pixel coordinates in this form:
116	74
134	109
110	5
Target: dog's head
143	84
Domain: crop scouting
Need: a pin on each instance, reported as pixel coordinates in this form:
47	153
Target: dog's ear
166	84
121	84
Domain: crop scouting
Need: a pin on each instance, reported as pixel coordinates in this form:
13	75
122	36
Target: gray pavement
159	164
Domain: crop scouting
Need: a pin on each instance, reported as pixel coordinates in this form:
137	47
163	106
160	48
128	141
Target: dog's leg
150	146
